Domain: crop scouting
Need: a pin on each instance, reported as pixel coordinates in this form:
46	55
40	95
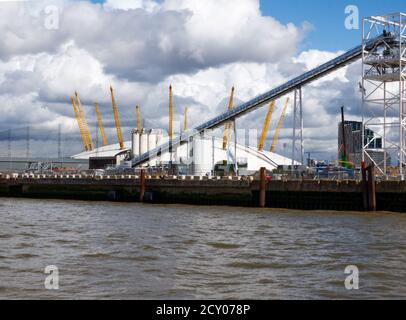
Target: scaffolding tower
383	91
297	134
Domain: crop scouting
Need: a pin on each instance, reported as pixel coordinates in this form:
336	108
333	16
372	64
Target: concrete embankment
306	194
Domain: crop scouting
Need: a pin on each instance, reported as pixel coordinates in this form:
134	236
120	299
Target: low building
354	145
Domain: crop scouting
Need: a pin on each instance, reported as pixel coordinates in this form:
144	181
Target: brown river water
107	250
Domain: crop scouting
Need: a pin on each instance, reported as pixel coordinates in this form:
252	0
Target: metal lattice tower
383	91
9	143
59	141
297	137
27	142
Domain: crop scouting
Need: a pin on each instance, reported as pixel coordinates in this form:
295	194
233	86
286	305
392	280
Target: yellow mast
80	125
185	120
99	119
170	113
265	129
138	113
84	123
229	125
117	120
279	127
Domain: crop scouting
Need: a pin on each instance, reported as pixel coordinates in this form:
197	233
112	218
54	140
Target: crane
85	126
279	127
138	113
265	129
99	119
80	125
185	120
117	120
84	122
170	113
229	125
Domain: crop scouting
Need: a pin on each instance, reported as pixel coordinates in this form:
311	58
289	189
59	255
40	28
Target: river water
107	250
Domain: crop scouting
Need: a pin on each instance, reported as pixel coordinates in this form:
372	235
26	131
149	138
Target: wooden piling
371	188
364	186
142	185
262	187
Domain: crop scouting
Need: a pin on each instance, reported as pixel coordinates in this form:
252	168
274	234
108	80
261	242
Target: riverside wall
231	191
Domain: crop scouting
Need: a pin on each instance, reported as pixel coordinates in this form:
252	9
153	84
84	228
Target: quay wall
299	194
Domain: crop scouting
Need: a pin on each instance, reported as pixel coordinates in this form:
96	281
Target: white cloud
202	47
149	41
147	5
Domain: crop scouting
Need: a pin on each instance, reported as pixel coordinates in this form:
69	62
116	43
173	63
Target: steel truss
297	135
383	91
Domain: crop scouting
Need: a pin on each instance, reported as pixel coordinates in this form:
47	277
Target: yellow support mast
170	113
279	127
117	120
185	120
229	125
265	129
86	130
138	113
80	125
99	119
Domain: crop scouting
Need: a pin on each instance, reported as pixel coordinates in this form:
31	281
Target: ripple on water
250	265
149	247
96	254
30	235
189	241
222	245
25	256
24	245
142	258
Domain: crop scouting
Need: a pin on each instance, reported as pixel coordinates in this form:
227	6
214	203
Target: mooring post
364	186
371	188
262	187
142	185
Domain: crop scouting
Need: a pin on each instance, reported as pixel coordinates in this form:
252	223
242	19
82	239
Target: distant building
353	140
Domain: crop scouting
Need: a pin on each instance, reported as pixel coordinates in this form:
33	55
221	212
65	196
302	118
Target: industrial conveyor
312	75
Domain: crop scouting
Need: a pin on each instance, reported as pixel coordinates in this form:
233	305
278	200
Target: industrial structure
202	155
377	139
383	88
295	85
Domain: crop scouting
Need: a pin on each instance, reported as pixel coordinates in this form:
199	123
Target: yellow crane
138	113
265	129
86	130
279	127
99	119
229	125
80	125
117	120
170	113
185	120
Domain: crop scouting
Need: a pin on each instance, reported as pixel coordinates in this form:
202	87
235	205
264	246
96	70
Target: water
132	251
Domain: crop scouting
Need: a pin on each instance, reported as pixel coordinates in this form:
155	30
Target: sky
50	48
327	18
